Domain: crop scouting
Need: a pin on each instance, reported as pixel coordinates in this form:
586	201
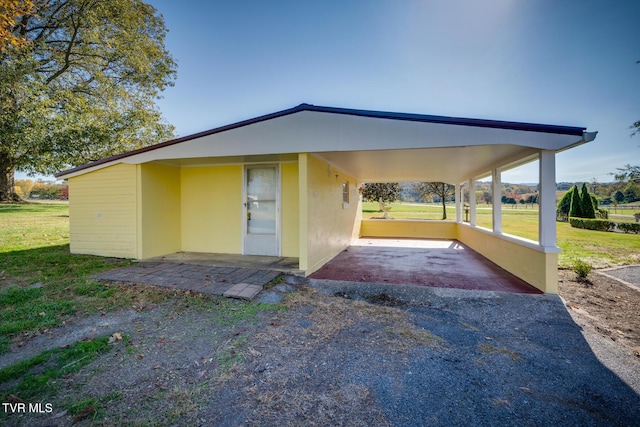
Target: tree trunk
383	205
7	189
444	209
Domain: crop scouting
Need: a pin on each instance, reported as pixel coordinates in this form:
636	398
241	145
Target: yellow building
286	185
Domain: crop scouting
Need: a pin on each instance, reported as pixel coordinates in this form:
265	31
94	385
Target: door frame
278	235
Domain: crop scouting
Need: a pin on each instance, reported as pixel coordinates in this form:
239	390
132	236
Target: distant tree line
619	192
28	189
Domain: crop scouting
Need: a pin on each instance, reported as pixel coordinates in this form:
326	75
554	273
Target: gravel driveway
359	354
506	359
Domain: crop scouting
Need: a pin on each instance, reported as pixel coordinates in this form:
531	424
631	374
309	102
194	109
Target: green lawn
599	248
41	283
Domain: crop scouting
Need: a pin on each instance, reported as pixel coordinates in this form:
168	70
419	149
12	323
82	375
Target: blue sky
542	61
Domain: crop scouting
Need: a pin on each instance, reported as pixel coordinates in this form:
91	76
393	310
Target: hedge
629	227
604	225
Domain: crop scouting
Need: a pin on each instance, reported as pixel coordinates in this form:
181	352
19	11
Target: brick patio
198	278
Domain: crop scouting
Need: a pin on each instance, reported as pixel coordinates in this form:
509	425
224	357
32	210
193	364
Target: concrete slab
287	265
421	262
243	291
194	277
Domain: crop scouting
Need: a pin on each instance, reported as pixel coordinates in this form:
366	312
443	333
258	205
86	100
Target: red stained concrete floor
435	263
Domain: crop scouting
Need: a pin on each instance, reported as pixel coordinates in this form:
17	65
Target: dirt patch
381	298
7	281
605	306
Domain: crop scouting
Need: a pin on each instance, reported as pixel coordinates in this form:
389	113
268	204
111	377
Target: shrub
564	205
586	203
576	204
629	227
592	224
581	268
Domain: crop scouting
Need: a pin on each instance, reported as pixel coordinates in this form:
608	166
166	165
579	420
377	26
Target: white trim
243	229
547	234
458	190
472	203
323	132
496	200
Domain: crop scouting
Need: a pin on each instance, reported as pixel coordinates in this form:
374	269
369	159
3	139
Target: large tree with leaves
383	193
441	190
80	84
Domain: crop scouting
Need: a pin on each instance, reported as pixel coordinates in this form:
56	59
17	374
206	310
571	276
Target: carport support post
458	198
496	199
547	200
472	202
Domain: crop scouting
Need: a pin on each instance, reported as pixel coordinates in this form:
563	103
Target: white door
261	210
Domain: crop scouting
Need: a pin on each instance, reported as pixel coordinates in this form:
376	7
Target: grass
37	377
598	248
232	353
230	313
41	283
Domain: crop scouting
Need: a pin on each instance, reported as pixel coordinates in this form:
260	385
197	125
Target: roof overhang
369	145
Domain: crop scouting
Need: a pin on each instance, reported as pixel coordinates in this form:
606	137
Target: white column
496	197
472	202
458	197
547	200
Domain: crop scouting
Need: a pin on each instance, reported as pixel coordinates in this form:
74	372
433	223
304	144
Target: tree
383	193
10	13
564	205
630	193
442	190
596	208
628	173
575	210
618	196
486	195
532	199
586	204
83	85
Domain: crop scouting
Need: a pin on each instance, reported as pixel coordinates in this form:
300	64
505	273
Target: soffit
452	165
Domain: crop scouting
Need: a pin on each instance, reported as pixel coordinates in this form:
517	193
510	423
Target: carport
420	262
394	147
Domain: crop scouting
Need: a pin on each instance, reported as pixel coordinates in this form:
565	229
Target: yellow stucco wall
159	215
330	225
211	209
103	212
415	229
290	223
531	265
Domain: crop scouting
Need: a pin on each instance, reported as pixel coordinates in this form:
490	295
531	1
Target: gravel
510	359
361	354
